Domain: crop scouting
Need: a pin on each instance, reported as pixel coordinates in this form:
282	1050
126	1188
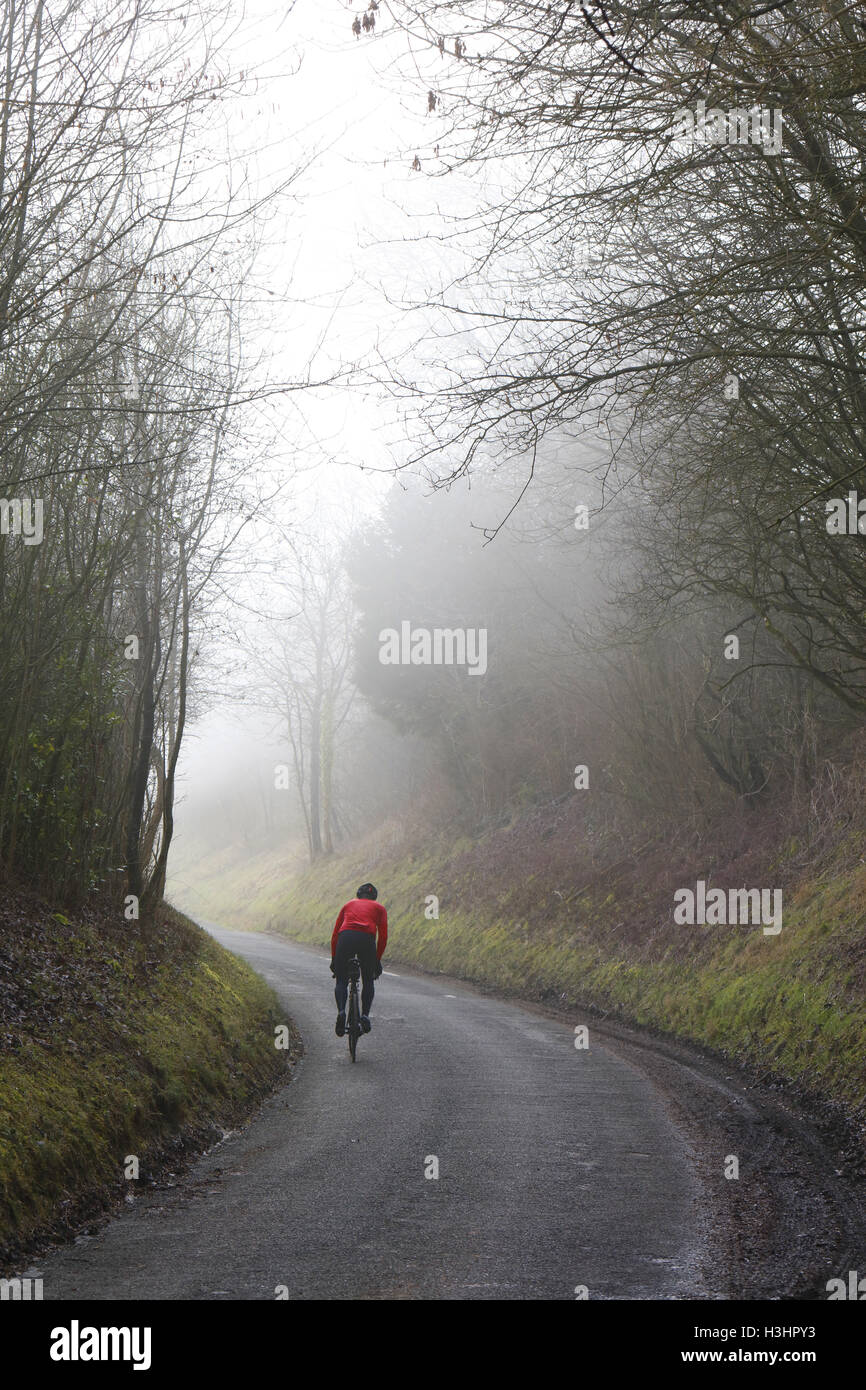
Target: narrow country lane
558	1167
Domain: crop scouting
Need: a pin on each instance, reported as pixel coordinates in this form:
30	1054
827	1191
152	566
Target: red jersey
362	914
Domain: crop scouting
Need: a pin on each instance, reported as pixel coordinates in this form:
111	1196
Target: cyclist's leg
342	956
367	957
349	943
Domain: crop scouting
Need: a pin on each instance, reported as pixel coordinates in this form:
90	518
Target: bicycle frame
353	1012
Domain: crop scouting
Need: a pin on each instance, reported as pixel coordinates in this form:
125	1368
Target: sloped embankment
114	1044
542	910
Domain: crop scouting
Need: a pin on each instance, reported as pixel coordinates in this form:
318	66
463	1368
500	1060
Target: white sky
333	255
335	252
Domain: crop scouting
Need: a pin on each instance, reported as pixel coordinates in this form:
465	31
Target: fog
469	427
433	445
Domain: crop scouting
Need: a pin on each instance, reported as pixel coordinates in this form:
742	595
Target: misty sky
338	259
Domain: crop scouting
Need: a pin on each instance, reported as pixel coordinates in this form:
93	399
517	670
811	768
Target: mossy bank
116	1043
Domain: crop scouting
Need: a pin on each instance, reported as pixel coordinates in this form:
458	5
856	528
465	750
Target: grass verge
791	1007
116	1044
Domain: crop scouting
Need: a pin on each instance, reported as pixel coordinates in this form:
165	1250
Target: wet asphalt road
558	1168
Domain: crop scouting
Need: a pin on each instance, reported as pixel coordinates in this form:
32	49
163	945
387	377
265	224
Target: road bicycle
353	1009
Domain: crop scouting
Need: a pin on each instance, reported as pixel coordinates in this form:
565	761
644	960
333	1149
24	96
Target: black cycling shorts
355	943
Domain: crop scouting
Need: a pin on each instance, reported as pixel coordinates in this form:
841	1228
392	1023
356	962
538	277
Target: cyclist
361	930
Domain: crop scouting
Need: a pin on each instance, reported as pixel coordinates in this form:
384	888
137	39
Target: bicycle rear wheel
353	1022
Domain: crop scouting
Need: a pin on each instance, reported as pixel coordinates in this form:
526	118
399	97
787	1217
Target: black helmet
367	891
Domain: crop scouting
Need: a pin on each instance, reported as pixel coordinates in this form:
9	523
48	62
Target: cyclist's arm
337	926
382	934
